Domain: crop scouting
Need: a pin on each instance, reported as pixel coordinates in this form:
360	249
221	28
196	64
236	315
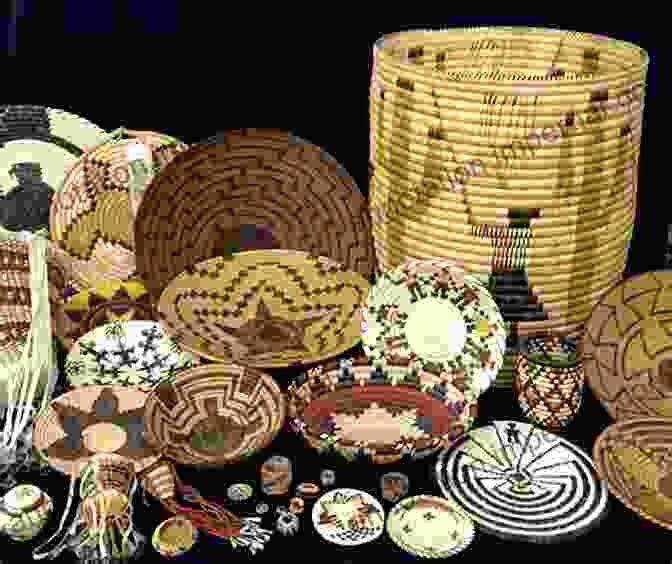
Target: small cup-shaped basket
549	380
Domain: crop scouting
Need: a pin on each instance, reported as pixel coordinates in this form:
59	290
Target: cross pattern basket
549	380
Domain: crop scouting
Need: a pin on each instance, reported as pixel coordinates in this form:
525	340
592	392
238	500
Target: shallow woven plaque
633	457
93	420
265	308
627	347
348	517
213	415
522	483
126	353
37	146
430	527
250	189
430	315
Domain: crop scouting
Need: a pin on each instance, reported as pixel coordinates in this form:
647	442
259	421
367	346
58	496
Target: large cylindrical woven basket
513	152
91	217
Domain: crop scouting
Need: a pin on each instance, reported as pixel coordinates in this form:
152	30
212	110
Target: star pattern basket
513	152
549	380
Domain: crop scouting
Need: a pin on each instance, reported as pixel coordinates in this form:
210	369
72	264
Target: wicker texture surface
247	190
92	216
265	308
214	415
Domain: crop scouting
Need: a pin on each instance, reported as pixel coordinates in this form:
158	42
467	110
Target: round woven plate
348	517
432	315
174	537
37	145
214	415
384	414
126	353
252	189
627	347
521	483
92	216
430	527
107	301
265	308
633	457
92	420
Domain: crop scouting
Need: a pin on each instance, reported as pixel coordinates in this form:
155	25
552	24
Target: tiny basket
549	380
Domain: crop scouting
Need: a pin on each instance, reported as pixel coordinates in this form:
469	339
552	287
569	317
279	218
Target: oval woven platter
93	420
430	527
127	353
430	315
105	302
91	218
633	457
265	308
250	189
387	414
37	146
348	517
521	483
627	347
214	415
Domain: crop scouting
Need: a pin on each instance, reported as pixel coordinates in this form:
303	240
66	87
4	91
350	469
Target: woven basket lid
16	315
215	414
93	420
251	189
627	347
91	217
265	309
633	458
37	145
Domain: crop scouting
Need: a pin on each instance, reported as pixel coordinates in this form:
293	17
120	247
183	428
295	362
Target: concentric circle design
519	482
249	190
627	347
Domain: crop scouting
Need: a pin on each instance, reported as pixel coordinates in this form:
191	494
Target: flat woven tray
247	190
92	216
37	146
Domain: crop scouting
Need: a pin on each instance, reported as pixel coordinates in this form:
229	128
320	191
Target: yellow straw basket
513	152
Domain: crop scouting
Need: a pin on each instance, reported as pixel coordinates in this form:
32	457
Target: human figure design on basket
25	207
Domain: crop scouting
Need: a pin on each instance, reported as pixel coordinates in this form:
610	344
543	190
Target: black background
147	65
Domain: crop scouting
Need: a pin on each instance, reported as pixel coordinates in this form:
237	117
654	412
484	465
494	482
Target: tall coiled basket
513	152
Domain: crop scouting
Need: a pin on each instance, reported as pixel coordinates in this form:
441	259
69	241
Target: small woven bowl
174	537
214	415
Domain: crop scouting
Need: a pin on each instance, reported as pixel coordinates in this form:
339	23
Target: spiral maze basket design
249	190
37	145
521	483
91	218
633	457
627	347
514	152
214	415
269	308
549	381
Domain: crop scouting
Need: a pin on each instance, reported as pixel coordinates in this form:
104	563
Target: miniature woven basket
92	216
514	153
549	380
